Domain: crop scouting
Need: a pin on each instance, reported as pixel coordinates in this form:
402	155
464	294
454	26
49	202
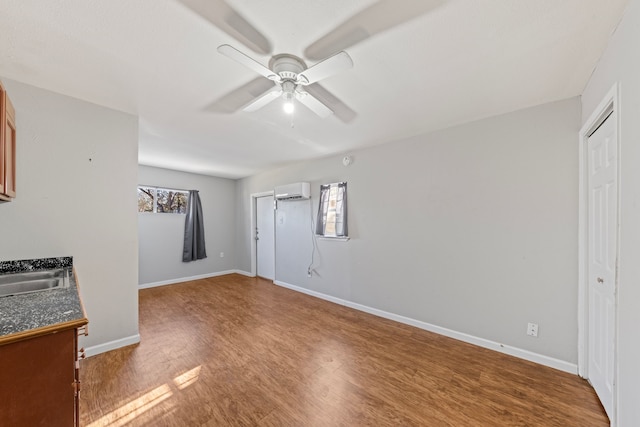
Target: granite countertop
29	314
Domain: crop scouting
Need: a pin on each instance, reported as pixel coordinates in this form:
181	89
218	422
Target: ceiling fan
283	70
291	77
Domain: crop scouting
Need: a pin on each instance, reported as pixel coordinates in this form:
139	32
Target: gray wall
161	236
472	228
67	204
620	63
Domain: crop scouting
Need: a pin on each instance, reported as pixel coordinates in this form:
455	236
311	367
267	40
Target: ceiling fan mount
287	66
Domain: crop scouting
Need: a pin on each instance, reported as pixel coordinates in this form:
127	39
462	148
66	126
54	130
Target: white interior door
265	241
602	148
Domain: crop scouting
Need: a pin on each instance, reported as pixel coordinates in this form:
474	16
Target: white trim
164	188
244	273
184	279
112	345
481	342
336	239
611	101
252	227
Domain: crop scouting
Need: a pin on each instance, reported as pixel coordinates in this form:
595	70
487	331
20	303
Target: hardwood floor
238	351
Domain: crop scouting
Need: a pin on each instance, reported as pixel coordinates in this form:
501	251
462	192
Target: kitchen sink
33	281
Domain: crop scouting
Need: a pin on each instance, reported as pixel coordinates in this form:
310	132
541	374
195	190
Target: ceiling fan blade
224	17
375	19
314	105
334	64
238	98
248	62
264	99
339	108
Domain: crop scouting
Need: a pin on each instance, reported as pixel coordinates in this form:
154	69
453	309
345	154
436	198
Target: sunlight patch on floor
137	407
185	380
133	409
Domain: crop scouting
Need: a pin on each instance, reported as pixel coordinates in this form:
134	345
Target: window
332	211
162	200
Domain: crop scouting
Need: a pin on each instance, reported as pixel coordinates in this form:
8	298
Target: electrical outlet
221	254
532	329
309	272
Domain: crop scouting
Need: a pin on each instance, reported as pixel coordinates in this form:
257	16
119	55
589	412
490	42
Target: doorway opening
262	234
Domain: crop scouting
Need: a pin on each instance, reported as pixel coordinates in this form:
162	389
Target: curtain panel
194	248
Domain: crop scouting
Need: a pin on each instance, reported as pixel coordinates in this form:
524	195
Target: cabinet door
37	379
10	149
2	143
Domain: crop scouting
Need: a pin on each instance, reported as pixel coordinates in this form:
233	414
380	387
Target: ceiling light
288	107
288	93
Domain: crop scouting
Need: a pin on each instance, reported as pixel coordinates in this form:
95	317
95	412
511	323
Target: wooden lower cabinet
39	381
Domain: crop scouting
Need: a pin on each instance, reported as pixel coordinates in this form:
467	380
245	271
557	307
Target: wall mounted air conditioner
297	191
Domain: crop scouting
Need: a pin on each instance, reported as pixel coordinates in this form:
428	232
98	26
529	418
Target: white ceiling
462	60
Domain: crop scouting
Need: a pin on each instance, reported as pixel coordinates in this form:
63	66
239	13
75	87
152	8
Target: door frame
609	104
253	202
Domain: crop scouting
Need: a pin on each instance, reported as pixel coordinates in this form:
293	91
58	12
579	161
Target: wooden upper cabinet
10	149
2	143
7	147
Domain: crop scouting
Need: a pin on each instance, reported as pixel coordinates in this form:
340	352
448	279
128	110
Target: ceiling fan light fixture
288	93
288	107
288	102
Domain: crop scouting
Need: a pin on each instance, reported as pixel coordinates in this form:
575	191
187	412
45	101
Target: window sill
339	239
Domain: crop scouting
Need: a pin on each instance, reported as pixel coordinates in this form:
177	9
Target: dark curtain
193	230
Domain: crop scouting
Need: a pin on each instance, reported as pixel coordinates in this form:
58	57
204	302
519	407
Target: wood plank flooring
238	351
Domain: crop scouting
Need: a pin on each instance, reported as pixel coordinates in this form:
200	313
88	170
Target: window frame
328	209
154	199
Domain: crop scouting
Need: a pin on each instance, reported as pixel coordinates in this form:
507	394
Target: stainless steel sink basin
33	281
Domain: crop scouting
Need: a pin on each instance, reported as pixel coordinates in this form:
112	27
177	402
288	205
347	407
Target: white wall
76	182
472	228
161	236
621	63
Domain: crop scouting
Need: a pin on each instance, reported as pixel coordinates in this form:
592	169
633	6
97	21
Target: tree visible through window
145	199
162	200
